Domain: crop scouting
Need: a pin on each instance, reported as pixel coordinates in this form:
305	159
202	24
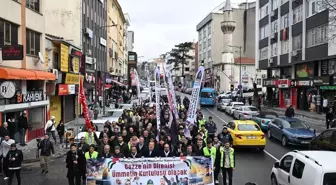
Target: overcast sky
158	25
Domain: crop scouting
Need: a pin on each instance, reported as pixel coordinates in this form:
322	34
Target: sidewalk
299	113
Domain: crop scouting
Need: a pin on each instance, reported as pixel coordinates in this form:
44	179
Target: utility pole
240	69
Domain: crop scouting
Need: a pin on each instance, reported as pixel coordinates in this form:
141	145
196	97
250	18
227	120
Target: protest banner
188	170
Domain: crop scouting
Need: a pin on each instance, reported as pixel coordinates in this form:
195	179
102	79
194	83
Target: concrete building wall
63	19
130	40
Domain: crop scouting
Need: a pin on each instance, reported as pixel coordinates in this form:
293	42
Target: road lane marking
216	115
267	153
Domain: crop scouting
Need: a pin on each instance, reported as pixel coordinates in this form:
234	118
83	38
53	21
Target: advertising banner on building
150	171
157	96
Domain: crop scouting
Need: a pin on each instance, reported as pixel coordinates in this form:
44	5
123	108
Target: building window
243	68
314	7
297	42
209	53
274	4
274	50
263	11
263	53
32	42
204	32
264	32
33	4
199	35
274	26
317	36
209	42
209	30
284	21
258	81
284	46
8	33
297	14
283	1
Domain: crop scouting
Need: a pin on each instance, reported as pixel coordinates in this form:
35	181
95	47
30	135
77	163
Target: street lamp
97	29
240	68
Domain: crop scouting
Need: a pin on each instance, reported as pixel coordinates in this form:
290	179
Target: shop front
320	83
284	93
68	100
303	89
271	91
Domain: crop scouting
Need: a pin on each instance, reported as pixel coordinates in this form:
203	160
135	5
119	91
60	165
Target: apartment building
23	75
116	39
212	42
130	40
294	46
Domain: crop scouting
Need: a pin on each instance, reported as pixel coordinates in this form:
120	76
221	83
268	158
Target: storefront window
331	66
37	120
35	85
304	70
286	97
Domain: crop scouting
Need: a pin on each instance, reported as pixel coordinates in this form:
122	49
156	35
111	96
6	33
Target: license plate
251	137
305	142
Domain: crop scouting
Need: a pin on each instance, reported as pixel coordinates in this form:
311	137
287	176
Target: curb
27	161
296	114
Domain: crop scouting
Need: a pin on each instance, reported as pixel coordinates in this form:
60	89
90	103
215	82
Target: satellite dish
41	58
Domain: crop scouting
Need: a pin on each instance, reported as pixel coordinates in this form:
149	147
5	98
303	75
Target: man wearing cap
4	149
14	158
75	162
23	126
225	161
50	128
47	148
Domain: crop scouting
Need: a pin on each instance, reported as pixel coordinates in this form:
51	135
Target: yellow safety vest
205	135
201	122
179	137
210	153
87	139
129	145
131	114
231	157
94	155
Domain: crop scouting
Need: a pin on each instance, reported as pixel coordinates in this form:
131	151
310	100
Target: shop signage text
30	96
270	82
12	52
75	64
76	52
304	83
72	78
65	89
103	41
321	80
90	77
64	58
283	83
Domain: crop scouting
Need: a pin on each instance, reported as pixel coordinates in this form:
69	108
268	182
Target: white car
245	112
231	106
305	168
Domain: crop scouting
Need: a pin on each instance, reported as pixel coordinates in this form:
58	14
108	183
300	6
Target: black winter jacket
18	158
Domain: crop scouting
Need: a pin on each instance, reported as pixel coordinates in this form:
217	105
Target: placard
64	58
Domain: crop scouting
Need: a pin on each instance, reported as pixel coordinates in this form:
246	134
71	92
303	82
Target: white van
305	168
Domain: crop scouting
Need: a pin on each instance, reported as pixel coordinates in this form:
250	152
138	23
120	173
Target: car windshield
248	127
329	179
237	105
293	123
251	109
206	95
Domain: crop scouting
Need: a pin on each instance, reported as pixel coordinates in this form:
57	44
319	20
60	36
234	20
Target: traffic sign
240	86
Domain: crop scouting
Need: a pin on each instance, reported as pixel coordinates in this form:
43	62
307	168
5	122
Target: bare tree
331	5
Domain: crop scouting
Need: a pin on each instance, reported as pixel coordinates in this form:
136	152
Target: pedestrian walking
211	127
225	161
290	112
50	128
4	149
47	148
329	118
23	126
75	162
14	158
60	130
4	130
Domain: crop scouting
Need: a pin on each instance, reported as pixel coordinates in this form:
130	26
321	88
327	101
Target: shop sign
270	83
90	77
75	64
72	78
304	83
50	88
283	83
7	89
30	96
102	41
64	58
66	89
108	78
324	67
321	80
76	52
12	52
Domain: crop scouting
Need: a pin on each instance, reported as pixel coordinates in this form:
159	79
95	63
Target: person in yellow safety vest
91	137
204	131
180	107
91	154
210	151
133	142
200	120
225	161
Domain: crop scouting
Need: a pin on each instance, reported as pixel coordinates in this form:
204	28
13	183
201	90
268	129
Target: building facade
130	40
212	42
294	46
116	39
23	73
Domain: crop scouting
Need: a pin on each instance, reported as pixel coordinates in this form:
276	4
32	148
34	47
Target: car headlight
291	136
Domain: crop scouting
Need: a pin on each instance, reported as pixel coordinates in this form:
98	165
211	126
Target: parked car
305	167
324	141
264	118
231	106
223	102
290	131
245	112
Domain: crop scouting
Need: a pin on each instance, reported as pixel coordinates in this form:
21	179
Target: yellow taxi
246	134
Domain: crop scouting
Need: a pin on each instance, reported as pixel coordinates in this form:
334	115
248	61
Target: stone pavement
31	175
313	116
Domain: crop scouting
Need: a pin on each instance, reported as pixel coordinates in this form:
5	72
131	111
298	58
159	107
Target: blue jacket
212	128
